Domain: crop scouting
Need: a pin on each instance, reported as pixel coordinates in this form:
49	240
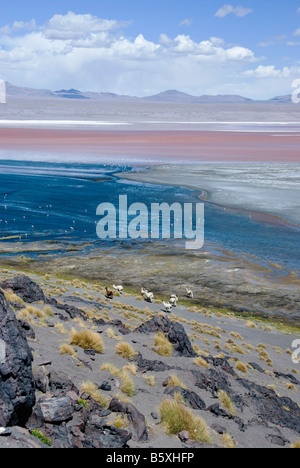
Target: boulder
190	398
70	425
20	438
137	419
60	384
271	408
145	365
25	288
175	333
17	388
56	410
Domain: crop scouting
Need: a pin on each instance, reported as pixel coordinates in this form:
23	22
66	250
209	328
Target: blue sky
248	47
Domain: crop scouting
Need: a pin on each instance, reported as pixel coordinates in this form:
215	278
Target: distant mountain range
170	96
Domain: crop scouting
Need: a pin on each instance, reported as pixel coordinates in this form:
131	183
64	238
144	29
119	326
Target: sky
249	47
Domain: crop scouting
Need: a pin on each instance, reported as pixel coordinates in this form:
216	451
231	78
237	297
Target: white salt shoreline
258	127
267	188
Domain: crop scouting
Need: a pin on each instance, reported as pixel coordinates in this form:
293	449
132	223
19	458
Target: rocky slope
234	379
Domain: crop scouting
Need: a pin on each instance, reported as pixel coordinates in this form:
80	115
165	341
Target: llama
168	307
173	300
148	296
190	293
109	294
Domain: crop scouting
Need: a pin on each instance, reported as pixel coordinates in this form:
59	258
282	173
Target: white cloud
89	53
238	11
186	22
273	41
18	26
292	43
270	71
72	26
297	32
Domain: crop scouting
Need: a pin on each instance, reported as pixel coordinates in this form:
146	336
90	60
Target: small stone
106	387
90	352
184	436
219	429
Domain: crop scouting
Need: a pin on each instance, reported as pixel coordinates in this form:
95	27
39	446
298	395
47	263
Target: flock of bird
149	296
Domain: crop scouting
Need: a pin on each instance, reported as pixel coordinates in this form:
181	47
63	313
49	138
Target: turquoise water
58	201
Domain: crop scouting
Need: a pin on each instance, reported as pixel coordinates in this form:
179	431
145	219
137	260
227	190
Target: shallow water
42	201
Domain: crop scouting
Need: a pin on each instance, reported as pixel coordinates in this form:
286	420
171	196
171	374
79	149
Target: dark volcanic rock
289	377
69	425
222	363
190	398
213	381
27	329
257	367
25	288
20	438
41	379
277	440
56	410
137	419
280	411
106	387
175	333
145	365
72	311
218	411
120	327
17	392
60	384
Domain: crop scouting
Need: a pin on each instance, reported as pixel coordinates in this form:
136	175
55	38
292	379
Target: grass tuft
92	389
177	418
125	350
86	339
226	402
162	345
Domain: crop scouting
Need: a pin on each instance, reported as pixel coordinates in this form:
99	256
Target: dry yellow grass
226	402
121	422
162	346
36	312
23	314
251	325
241	367
176	418
48	311
131	368
125	350
228	441
79	322
296	445
107	366
128	386
110	332
174	381
10	296
60	327
67	349
86	339
150	380
92	389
